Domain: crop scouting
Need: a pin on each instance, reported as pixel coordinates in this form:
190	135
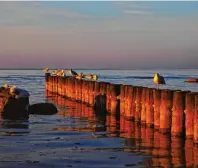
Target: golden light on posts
189	111
165	110
156	105
178	117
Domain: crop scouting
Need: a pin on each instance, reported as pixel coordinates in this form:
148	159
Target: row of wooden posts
173	112
166	151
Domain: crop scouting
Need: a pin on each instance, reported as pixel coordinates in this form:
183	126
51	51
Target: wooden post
196	121
66	87
122	99
47	78
86	91
156	105
114	92
189	111
178	118
108	97
129	102
143	102
137	97
91	93
97	95
149	107
165	110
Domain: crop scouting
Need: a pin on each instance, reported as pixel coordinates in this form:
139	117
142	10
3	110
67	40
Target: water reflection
164	150
14	127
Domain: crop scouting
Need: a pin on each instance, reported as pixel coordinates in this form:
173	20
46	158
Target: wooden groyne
172	112
166	150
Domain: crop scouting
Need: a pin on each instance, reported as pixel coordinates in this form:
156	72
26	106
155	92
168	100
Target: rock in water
191	80
42	109
14	109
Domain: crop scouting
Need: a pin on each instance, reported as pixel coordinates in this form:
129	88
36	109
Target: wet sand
77	137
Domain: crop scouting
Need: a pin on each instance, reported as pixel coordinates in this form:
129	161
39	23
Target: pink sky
82	41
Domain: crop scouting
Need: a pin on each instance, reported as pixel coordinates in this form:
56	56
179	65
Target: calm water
76	137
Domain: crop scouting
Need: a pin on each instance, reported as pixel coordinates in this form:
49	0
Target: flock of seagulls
62	72
16	92
158	79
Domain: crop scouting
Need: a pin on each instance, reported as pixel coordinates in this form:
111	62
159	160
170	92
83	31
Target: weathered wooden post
91	93
108	97
143	108
97	95
66	90
189	111
196	121
137	97
47	80
178	117
129	112
76	89
115	103
156	105
165	110
149	107
122	99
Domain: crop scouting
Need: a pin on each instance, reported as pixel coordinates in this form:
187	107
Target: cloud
135	5
137	12
35	13
134	8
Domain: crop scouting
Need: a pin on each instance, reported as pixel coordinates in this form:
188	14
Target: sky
99	34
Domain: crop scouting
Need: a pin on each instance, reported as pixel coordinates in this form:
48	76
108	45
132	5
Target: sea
77	137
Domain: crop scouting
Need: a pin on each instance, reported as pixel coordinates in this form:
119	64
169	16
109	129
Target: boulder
14	109
192	80
42	109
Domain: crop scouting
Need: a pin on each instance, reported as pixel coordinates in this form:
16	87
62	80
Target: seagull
94	77
158	79
56	72
46	70
80	76
6	86
61	73
88	76
73	73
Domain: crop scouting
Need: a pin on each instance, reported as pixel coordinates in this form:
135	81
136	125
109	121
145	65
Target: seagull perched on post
46	70
73	73
158	79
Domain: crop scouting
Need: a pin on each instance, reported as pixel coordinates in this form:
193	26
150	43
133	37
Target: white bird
158	79
46	70
61	73
55	73
18	92
94	77
6	86
88	76
80	76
